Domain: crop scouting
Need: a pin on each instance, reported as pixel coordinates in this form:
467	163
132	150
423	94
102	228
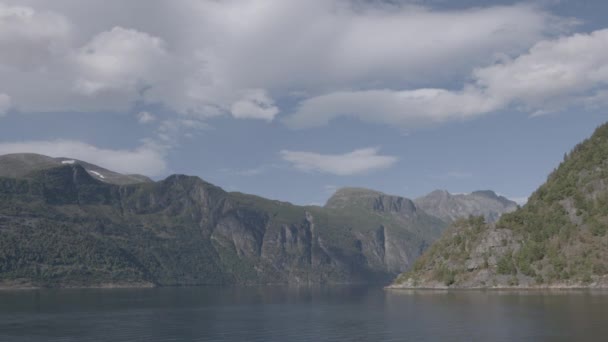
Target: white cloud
30	38
146	159
145	117
351	42
5	104
208	58
551	75
119	59
399	108
255	104
359	161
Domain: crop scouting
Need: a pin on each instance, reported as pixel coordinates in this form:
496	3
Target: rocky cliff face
451	207
394	211
60	225
558	239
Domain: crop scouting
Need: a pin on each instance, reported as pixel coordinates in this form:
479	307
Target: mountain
558	239
391	213
19	164
450	207
62	225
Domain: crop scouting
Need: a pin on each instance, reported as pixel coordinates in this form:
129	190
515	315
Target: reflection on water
301	314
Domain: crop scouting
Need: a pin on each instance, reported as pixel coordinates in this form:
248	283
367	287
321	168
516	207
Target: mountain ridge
21	164
63	227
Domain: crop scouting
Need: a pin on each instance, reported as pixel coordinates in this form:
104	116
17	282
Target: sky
292	99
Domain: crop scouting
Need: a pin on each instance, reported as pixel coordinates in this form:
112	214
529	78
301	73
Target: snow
68	161
97	174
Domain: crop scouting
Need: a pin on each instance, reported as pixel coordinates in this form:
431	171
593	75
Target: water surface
301	314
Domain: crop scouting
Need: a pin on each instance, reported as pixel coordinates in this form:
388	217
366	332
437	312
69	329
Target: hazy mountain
62	225
450	207
558	239
19	164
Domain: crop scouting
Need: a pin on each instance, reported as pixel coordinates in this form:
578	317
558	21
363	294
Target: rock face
61	225
558	239
450	207
363	205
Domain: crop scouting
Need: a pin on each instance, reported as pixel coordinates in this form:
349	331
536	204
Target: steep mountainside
450	207
20	164
558	239
392	212
62	226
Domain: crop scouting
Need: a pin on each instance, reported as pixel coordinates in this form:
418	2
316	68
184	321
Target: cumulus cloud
552	74
120	59
5	104
359	161
207	58
145	117
146	159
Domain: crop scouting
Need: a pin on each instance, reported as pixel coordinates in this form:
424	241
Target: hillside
61	226
558	239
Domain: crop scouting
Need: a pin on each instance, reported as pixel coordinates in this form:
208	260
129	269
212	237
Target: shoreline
20	287
24	287
501	288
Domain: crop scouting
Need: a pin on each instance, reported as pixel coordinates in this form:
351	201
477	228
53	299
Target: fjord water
301	314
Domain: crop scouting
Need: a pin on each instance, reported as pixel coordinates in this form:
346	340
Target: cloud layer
552	75
207	58
357	162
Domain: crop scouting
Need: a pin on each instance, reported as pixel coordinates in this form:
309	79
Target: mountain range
69	223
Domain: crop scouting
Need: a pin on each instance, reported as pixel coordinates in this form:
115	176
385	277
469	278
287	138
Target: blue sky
291	100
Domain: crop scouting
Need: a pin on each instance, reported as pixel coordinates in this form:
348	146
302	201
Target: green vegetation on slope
558	238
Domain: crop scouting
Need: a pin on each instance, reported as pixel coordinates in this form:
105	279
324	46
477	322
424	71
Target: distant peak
440	192
356	191
487	193
367	199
